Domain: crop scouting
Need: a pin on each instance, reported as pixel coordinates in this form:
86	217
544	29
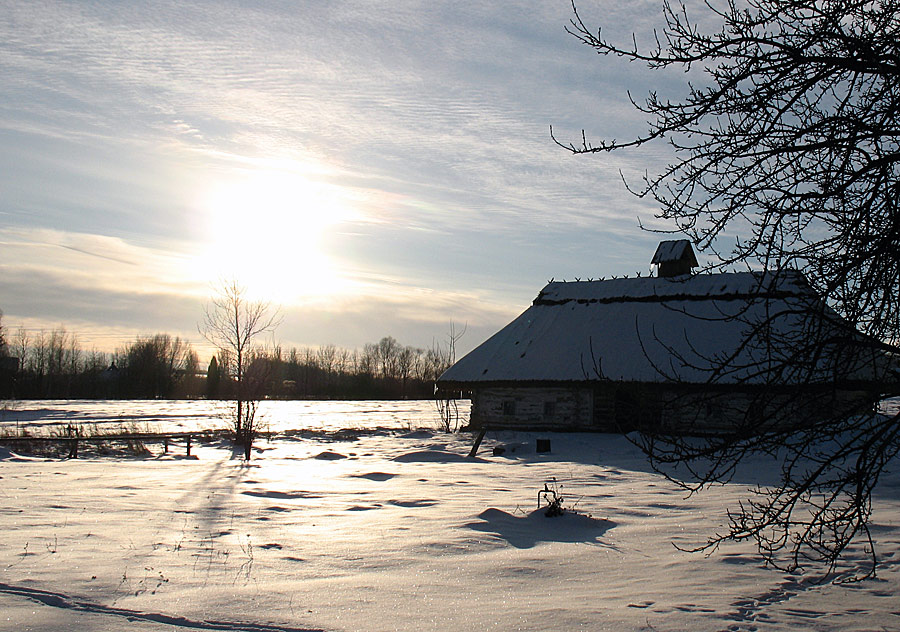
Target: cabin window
549	409
509	408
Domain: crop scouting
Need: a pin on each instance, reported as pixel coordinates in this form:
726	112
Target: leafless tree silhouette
232	323
786	159
444	358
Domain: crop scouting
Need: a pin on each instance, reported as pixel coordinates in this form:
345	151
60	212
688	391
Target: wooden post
166	444
189	445
477	443
73	449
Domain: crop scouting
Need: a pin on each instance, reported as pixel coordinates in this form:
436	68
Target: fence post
73	449
477	443
189	445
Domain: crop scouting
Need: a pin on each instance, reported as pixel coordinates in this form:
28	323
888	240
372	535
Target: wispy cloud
430	121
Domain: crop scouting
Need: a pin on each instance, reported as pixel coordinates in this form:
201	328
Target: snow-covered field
394	530
43	416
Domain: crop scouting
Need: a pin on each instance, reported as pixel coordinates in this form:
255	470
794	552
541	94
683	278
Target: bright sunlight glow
266	230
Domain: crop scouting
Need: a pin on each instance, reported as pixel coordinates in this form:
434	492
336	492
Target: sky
372	168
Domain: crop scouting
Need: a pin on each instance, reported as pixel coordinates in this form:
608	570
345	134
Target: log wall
618	407
532	407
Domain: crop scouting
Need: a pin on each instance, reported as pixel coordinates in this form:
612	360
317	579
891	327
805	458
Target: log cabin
678	352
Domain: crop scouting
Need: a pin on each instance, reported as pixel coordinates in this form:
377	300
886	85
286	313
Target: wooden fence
74	439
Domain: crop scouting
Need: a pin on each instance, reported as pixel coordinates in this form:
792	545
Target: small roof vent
674	258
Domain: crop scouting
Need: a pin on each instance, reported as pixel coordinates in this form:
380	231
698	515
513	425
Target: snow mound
8	455
529	530
431	456
376	476
328	455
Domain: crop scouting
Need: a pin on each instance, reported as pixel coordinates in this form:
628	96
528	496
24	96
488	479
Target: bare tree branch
787	156
232	323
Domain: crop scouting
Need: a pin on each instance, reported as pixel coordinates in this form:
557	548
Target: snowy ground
150	415
398	530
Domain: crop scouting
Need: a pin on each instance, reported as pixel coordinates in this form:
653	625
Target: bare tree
8	364
233	323
61	356
326	358
367	360
38	359
387	350
444	357
787	154
20	346
407	359
4	349
155	365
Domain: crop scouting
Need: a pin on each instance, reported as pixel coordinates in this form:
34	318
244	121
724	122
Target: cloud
429	122
451	106
108	291
92	261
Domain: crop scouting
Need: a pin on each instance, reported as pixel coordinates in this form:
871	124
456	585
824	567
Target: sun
266	230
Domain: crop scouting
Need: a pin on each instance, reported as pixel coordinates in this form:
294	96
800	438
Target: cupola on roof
674	258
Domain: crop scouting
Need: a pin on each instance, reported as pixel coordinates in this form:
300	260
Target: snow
663	330
46	416
701	286
402	533
673	250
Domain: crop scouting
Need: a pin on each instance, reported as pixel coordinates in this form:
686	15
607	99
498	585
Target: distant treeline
49	365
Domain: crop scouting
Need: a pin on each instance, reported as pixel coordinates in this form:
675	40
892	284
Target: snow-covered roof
664	329
674	250
704	287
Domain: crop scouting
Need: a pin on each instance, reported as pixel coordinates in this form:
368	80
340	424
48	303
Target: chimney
674	258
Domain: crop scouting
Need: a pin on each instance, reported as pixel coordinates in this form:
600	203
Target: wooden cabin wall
687	412
532	407
618	407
